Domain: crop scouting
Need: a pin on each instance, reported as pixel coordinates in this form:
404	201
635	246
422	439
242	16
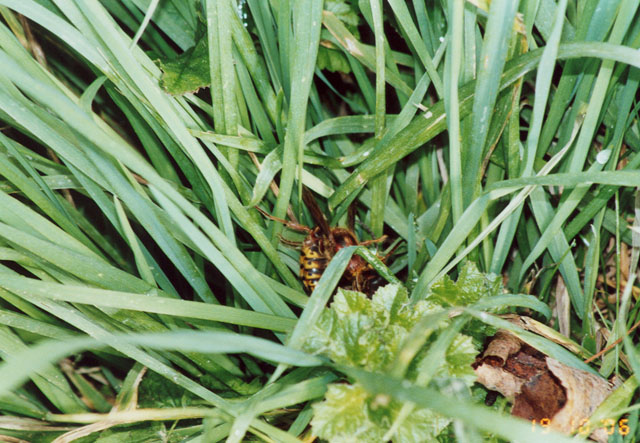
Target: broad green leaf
187	72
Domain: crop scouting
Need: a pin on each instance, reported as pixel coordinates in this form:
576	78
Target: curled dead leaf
541	388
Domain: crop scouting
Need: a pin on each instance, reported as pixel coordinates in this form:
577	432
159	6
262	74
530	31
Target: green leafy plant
138	136
369	334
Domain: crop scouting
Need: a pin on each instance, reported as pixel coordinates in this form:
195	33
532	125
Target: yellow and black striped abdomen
312	265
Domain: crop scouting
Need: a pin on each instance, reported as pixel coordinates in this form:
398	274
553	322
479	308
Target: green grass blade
307	20
493	57
144	303
453	105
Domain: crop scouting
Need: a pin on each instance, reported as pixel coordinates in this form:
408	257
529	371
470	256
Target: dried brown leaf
540	388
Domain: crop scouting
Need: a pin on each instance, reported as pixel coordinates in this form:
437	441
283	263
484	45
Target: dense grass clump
487	155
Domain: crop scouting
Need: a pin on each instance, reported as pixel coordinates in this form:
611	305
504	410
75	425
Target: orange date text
584	427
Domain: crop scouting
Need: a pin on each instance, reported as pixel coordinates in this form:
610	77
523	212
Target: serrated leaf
471	286
343	415
368	333
187	72
363	332
344	11
350	413
458	359
332	60
155	392
134	433
421	425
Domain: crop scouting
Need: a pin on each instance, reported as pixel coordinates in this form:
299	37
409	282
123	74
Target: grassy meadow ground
144	298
